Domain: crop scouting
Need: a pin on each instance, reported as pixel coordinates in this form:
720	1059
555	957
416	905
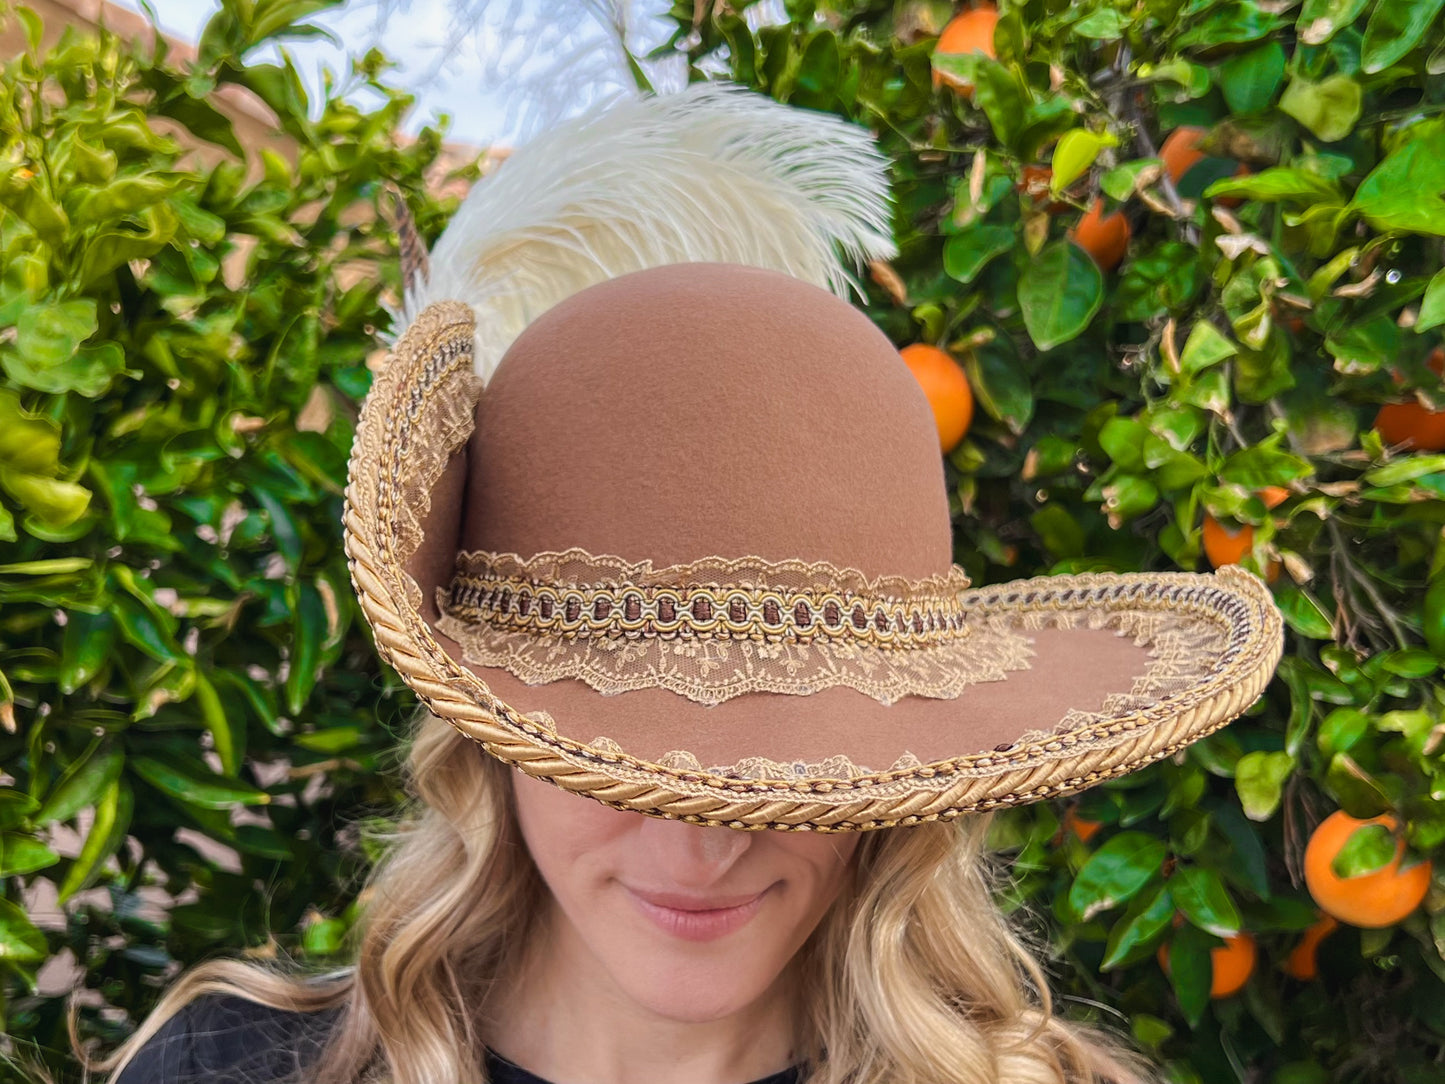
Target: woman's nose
689	855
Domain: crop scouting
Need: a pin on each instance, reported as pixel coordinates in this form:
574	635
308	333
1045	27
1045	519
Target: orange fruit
1228	546
1411	423
1231	963
1180	153
1273	496
1104	237
1301	962
1081	827
967	32
946	386
1372	900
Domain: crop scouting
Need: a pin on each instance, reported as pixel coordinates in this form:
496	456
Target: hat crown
696	409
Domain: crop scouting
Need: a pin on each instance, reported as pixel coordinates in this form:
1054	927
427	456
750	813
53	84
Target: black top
229	1040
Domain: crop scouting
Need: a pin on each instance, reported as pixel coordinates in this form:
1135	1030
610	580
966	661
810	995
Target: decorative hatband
576	595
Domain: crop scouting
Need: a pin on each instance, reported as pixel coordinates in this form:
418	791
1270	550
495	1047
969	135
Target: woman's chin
695	996
693	983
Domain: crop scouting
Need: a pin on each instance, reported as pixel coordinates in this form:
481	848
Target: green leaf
819	72
82	784
1059	531
55	502
1303	614
28	442
1123	440
1102	24
86	647
1395	28
1205	346
1405	470
1432	307
194	784
107	833
1191	970
1059	293
310	631
1133	936
325	937
1320	20
15	807
1368	848
966	254
47	336
1121	181
227	729
1278	185
1341	729
34	28
1200	894
20	941
1264	464
1074	154
1259	778
1329	108
1404	191
21	854
1248	861
1116	872
1003	99
1365	345
1410	662
1001	387
1250	80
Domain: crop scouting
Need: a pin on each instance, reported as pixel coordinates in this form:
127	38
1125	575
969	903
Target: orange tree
185	683
1156	344
178	648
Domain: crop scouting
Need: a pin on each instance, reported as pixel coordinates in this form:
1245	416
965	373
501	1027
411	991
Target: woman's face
691	923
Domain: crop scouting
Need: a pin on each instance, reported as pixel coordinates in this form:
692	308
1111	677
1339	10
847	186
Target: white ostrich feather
713	172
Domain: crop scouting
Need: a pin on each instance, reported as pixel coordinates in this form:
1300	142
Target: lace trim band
717	627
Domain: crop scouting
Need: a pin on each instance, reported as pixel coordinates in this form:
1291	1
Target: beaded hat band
792	626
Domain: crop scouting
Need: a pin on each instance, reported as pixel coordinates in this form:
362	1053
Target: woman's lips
693	919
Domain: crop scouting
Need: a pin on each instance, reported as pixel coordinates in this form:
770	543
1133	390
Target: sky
509	72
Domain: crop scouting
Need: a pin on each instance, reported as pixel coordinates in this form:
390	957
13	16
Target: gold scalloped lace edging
1185	638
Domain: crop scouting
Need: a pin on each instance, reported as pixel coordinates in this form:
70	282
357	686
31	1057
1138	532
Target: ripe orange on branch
1370	900
1104	237
947	388
1231	963
1302	962
1230	545
967	32
1180	153
1411	423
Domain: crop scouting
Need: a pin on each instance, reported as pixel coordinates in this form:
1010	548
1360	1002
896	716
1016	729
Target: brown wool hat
642	504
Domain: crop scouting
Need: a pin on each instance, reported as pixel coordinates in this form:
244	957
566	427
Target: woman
635	470
913	973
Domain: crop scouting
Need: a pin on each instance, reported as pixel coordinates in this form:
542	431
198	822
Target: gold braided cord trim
1029	770
718	627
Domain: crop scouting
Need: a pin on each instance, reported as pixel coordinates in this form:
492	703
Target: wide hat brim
1094	675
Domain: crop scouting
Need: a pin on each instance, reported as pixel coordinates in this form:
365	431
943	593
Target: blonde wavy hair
915	976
